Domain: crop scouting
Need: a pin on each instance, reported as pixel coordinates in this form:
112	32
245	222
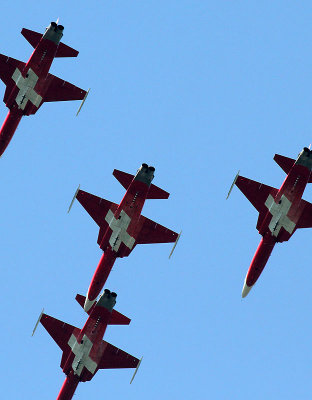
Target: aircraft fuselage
87	347
31	83
284	212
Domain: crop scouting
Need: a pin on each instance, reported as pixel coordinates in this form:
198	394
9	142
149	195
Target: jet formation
281	211
122	227
29	85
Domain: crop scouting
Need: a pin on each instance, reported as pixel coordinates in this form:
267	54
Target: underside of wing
96	207
113	357
151	232
58	330
256	192
8	66
60	90
305	220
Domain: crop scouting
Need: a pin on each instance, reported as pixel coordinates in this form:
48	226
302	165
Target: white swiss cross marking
119	227
26	88
279	215
82	351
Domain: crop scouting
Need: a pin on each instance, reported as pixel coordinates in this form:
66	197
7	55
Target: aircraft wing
96	207
60	90
257	193
151	232
8	66
305	221
115	358
59	330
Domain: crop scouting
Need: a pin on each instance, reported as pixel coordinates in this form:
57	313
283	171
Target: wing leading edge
8	66
257	193
96	207
59	331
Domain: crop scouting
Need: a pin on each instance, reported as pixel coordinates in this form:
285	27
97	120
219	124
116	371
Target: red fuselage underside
292	188
132	204
94	330
40	63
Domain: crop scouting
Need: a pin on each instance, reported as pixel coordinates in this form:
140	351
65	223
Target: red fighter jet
84	351
122	226
29	85
281	211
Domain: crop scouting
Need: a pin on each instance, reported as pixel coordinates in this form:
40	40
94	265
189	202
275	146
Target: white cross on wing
26	88
279	215
119	227
82	358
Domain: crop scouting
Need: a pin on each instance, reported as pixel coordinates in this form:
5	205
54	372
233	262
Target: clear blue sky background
199	89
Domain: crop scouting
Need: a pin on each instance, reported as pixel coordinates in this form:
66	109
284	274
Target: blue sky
199	90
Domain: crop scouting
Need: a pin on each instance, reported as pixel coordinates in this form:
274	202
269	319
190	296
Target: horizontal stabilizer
154	191
31	36
81	300
65	51
34	38
284	162
123	178
116	317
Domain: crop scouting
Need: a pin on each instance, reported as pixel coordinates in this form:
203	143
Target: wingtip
175	244
136	370
234	181
72	202
83	100
34	330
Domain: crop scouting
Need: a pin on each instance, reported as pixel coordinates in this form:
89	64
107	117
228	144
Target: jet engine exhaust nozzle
54	32
107	300
145	174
